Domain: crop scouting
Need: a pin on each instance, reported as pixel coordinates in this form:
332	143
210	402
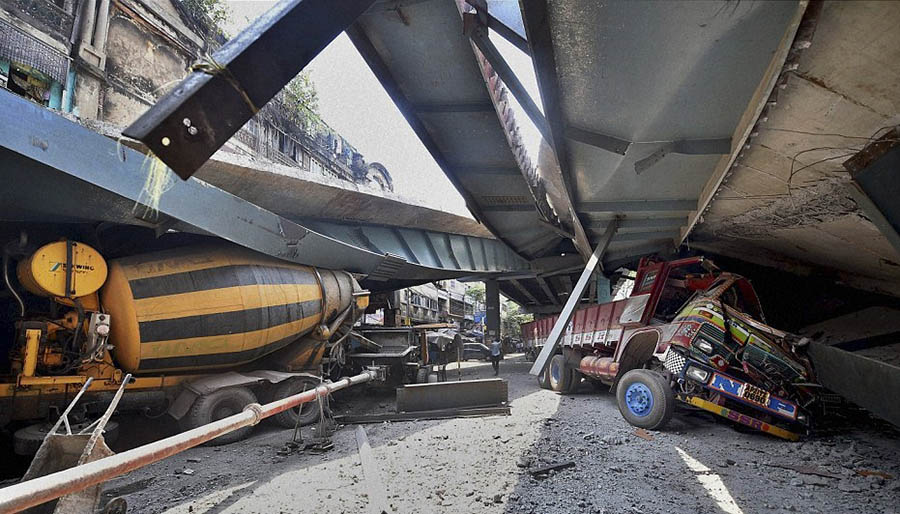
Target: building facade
109	60
444	301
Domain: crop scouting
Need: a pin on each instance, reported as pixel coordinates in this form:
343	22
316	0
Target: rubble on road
459	466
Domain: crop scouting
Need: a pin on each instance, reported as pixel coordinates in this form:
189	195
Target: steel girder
60	172
187	125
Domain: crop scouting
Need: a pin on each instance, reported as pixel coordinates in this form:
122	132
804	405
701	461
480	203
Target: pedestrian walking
495	356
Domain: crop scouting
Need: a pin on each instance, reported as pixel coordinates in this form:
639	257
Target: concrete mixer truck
203	329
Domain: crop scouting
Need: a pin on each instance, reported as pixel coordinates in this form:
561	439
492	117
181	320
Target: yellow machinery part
46	381
32	344
90	303
44	272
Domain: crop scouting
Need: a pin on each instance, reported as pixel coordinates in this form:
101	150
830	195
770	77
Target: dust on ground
481	464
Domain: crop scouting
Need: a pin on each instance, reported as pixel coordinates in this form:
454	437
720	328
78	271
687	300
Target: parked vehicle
410	355
692	333
476	351
203	329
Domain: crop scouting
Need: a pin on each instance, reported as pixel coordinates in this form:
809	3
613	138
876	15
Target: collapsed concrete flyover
674	127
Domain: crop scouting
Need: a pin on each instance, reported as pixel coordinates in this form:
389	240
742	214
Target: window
671	300
28	82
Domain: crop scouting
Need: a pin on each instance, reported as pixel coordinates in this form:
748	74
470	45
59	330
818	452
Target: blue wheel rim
554	372
639	399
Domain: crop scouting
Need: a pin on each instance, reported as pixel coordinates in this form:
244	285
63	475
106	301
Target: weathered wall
140	66
87	95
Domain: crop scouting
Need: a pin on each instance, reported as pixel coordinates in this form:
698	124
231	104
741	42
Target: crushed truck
688	333
204	329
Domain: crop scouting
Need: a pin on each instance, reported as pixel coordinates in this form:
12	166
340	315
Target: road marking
712	483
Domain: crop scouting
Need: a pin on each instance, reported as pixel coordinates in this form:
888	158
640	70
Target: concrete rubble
488	464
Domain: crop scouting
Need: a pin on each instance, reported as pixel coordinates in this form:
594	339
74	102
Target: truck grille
712	333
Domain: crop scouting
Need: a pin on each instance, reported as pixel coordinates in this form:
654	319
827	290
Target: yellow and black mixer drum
209	307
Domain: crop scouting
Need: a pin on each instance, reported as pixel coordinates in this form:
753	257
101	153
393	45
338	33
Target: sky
352	101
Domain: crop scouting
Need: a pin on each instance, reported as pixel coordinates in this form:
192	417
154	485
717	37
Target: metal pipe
9	285
64	417
49	487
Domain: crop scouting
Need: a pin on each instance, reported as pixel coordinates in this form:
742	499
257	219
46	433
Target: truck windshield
735	298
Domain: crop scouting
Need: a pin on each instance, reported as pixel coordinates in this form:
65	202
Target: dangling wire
211	67
157	181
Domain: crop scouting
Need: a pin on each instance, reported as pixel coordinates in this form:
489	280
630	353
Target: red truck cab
687	332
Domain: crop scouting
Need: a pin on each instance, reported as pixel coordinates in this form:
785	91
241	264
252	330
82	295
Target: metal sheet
881	184
422	57
866	382
452	395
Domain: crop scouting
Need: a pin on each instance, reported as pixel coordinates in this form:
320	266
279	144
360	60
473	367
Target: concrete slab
846	87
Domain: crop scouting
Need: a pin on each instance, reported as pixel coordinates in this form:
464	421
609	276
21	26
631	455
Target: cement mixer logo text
79	268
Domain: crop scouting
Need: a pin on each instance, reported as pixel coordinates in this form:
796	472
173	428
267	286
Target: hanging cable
9	285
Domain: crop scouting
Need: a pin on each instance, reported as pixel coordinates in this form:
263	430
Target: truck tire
307	412
422	376
560	374
544	378
218	405
574	381
27	440
645	399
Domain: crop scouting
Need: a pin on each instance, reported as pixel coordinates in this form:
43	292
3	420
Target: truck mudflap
738	417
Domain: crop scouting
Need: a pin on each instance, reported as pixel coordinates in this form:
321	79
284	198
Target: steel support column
572	301
492	310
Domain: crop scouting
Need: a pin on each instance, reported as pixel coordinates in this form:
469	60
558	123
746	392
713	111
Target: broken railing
55	485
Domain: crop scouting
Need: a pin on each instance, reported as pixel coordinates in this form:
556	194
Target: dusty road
481	465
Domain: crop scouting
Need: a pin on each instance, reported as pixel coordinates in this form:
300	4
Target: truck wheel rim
639	399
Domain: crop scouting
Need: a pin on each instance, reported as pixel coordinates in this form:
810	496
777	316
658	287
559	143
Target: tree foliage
476	292
304	93
216	10
514	317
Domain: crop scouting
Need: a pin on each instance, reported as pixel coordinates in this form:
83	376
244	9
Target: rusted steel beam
49	487
188	125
